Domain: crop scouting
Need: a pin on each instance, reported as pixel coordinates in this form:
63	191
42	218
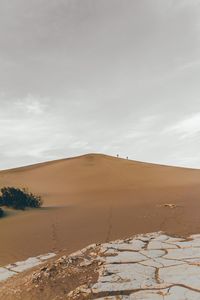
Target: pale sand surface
95	198
21	266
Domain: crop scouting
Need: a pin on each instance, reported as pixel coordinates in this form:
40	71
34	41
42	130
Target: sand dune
150	266
95	198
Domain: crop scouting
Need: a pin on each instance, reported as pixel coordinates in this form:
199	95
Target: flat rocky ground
152	266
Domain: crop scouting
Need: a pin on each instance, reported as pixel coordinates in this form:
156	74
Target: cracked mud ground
152	266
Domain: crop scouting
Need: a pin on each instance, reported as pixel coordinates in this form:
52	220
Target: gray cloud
99	76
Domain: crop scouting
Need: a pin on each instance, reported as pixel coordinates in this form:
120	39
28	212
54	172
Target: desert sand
97	198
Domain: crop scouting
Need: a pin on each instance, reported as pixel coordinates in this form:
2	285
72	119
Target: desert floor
96	198
150	266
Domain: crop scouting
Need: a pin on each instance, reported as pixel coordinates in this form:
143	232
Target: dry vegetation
18	199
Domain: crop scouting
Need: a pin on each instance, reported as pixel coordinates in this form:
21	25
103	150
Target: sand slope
95	198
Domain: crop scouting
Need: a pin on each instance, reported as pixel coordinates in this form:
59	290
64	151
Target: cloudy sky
117	76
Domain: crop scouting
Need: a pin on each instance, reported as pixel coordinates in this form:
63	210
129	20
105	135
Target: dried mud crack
152	266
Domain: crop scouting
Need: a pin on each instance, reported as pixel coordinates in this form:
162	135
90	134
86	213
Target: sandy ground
96	198
55	279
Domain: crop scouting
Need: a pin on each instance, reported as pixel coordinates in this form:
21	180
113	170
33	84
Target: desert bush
19	198
1	212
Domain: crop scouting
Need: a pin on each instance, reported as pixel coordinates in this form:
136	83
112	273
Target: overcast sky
109	76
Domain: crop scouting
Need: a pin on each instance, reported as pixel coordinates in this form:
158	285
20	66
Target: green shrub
19	198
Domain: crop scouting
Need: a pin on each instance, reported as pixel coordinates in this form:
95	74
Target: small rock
170	205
